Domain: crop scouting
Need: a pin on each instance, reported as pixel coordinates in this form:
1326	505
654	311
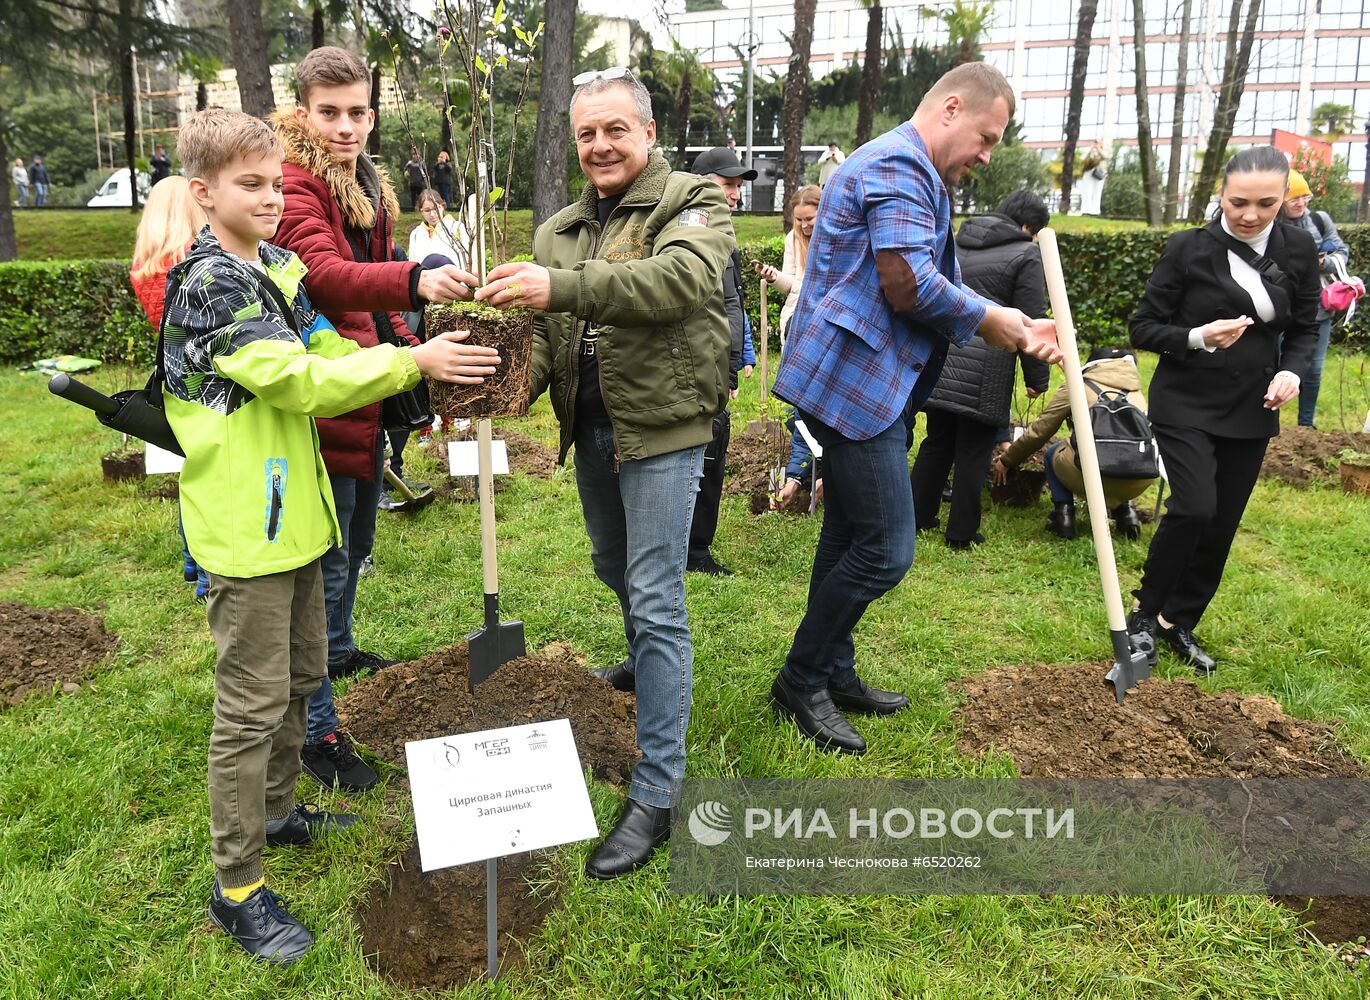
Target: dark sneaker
709	566
334	764
965	543
262	926
385	502
1185	644
367	567
359	660
306	824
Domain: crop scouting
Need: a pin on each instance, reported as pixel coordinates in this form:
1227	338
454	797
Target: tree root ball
504	394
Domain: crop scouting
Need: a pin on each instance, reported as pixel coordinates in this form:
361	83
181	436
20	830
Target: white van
114	193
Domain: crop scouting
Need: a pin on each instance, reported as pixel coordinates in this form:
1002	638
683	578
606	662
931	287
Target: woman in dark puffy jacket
971	401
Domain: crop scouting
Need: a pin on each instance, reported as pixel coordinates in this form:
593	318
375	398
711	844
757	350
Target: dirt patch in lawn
751	457
1064	722
427	931
1302	456
526	455
43	648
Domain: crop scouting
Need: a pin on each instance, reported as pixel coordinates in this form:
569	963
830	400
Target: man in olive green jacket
632	340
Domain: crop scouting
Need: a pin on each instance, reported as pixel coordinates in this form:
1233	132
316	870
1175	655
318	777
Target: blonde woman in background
787	280
171	219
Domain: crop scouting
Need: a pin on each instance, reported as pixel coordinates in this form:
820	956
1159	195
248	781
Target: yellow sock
240	894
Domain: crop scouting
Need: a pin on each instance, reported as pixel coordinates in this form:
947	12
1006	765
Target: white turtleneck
1249	279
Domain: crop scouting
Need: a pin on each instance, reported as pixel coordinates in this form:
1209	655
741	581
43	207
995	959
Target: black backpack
1122	437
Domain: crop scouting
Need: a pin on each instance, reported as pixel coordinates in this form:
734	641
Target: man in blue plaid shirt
882	300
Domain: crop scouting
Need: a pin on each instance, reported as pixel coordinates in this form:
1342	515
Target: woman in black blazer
1232	310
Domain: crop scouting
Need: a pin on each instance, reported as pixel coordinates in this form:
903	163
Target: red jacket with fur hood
354	288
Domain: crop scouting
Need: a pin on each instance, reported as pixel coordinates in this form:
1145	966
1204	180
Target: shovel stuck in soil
1131	665
496	643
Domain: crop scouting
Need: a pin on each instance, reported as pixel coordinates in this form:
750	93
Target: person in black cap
721	166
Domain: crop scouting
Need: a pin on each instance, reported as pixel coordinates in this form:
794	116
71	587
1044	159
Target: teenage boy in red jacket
340	213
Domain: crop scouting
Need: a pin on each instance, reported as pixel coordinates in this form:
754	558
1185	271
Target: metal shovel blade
1131	664
412	501
495	643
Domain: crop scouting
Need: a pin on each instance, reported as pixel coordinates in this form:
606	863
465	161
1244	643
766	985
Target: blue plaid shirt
850	359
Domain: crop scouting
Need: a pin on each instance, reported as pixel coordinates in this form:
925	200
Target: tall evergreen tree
554	97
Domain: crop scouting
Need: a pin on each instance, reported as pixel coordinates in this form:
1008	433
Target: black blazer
1222	392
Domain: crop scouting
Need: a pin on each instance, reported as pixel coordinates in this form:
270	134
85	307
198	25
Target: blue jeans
1312	382
41	197
355	500
188	562
638	519
864	550
1059	494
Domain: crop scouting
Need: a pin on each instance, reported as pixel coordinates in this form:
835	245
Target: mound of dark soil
1305	455
427	931
44	647
1064	722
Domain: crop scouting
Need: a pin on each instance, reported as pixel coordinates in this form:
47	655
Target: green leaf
502	61
522	35
480	65
499	14
496	193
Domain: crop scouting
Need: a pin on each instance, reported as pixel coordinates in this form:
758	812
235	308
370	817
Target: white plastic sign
463	460
157	461
502	791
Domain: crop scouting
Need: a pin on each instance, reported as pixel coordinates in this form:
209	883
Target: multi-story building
1306	53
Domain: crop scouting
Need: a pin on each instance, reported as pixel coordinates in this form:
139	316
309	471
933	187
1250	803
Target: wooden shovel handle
765	339
1084	431
486	485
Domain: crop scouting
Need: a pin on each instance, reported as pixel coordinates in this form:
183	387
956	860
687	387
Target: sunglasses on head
612	73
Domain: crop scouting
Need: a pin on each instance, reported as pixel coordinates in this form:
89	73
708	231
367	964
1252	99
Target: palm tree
1172	181
1146	152
966	22
796	99
872	70
1238	59
1084	31
1333	120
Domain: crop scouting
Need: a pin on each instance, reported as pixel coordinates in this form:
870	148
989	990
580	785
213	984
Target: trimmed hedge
72	307
88	307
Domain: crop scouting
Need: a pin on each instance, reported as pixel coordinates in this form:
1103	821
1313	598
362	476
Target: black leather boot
863	699
619	676
1062	520
1126	522
640	830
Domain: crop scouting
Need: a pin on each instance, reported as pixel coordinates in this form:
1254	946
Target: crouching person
1108	368
633	342
249	363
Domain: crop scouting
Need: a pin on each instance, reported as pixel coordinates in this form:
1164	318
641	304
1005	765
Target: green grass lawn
109	233
104	863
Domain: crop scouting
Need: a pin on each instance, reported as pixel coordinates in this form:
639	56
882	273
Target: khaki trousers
272	643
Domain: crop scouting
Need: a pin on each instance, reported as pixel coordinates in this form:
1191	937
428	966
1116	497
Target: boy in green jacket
249	363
